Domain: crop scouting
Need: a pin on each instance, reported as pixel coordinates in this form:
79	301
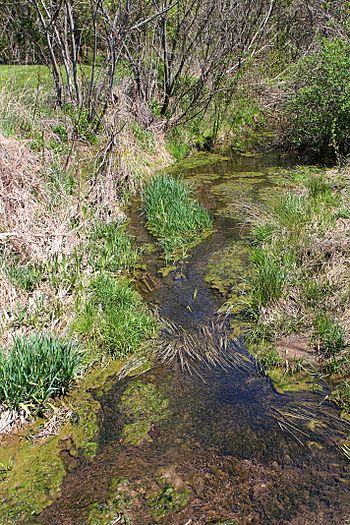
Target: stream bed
210	440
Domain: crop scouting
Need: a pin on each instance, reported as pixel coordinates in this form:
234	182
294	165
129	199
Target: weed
114	317
270	359
36	369
174	216
111	249
329	335
268	278
25	276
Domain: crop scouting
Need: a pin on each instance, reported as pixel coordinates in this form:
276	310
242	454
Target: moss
284	382
226	267
116	506
142	404
167	501
33	479
32	472
196	161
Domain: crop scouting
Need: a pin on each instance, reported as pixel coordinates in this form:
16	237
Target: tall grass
268	279
174	217
114	316
36	369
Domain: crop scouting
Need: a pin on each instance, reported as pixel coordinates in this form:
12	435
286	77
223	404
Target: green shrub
319	104
36	369
114	316
174	216
111	249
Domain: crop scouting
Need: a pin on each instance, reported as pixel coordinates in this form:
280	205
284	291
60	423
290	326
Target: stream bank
215	442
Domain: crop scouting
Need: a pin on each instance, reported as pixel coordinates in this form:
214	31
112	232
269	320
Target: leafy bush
36	369
319	104
174	216
114	316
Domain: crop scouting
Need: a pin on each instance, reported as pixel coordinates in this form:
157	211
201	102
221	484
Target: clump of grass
114	316
36	369
111	249
268	278
329	335
174	217
25	276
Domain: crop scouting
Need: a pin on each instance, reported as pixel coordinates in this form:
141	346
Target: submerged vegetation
174	216
299	280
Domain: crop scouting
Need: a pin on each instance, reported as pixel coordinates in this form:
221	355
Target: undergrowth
299	281
174	216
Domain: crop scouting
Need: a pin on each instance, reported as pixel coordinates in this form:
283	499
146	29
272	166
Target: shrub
36	369
174	216
114	316
318	107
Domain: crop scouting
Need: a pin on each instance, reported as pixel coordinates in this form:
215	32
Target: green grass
25	77
291	288
36	369
111	249
113	317
174	216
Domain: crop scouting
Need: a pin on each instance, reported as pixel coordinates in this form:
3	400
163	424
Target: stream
218	444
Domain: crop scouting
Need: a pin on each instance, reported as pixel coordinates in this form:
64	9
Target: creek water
230	450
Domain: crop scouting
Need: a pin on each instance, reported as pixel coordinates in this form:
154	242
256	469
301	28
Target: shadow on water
240	452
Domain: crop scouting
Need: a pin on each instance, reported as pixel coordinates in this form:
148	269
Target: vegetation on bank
299	281
174	216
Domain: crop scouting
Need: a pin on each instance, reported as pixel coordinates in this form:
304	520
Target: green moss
117	505
33	480
226	267
142	404
284	382
167	501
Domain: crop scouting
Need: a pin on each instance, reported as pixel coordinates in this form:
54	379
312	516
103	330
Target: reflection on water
230	449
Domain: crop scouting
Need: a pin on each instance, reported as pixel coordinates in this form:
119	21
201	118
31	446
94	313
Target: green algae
167	500
195	161
33	480
34	470
116	507
285	382
143	404
226	267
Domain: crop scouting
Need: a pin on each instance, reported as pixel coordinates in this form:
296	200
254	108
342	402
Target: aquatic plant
114	317
174	217
36	369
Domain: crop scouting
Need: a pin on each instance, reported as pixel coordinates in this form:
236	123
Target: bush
319	106
36	369
114	317
174	216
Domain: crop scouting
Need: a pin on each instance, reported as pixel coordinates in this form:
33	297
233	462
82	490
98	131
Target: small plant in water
174	216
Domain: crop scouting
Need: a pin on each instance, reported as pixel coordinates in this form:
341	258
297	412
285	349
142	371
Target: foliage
319	104
174	216
36	369
111	249
114	317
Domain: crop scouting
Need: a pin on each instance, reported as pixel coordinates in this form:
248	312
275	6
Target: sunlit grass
35	369
174	216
